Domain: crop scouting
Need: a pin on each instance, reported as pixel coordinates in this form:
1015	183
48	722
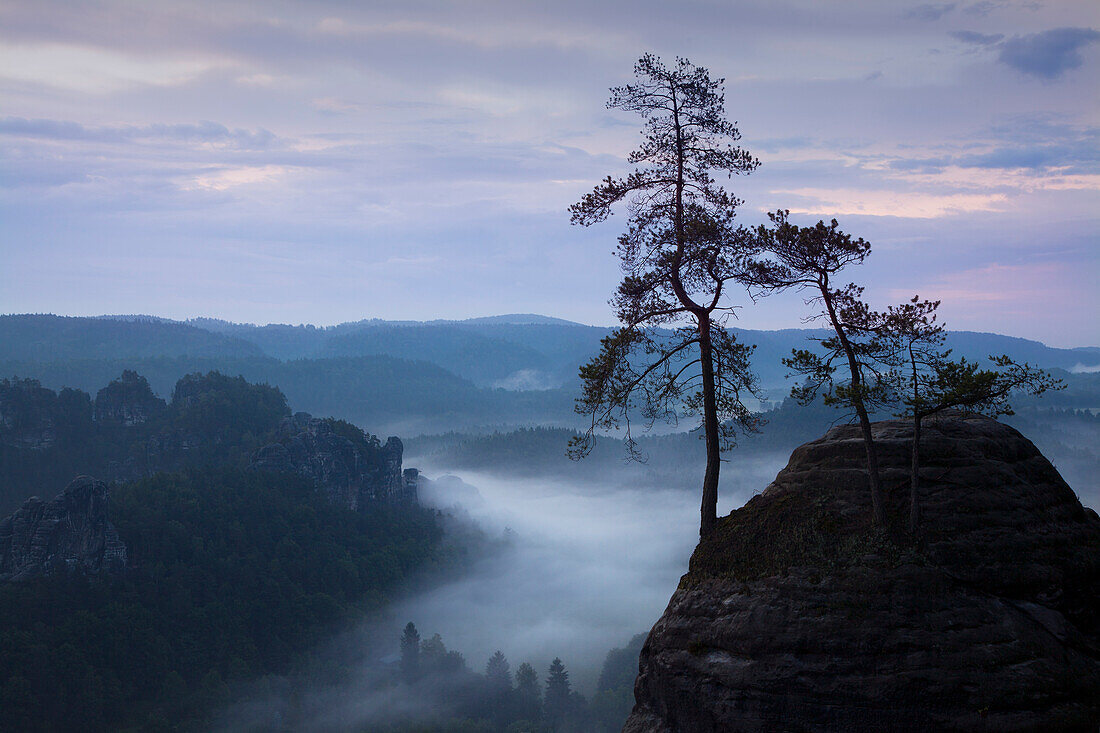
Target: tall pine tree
673	355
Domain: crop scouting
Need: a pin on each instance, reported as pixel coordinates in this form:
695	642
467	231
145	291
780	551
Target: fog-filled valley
576	574
517	548
583	566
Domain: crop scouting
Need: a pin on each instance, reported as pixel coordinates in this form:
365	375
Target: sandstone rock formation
127	401
27	414
448	492
353	472
797	616
72	532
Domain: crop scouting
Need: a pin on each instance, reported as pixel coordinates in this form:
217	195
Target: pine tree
410	654
498	680
498	673
808	258
556	704
528	695
679	254
932	382
918	340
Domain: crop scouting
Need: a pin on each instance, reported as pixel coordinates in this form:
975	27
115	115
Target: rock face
71	532
797	616
127	401
27	414
353	472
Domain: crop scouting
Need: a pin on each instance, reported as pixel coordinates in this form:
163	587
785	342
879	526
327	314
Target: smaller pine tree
556	704
528	694
410	654
498	672
498	680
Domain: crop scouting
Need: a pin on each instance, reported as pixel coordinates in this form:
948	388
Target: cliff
27	415
797	615
352	468
72	532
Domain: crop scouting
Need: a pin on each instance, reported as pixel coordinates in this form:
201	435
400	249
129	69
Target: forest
235	578
234	575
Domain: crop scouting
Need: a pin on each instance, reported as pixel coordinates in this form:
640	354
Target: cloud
334	106
777	144
985	7
95	70
1036	157
976	38
258	80
221	180
1036	145
909	205
930	11
1080	368
1048	54
1009	291
202	132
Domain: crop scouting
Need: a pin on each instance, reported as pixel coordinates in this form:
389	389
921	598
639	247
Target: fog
588	566
577	569
583	573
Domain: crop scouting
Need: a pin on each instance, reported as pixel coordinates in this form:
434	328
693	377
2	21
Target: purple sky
327	161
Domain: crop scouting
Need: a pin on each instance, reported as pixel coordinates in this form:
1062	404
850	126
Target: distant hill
977	345
546	351
480	357
52	338
414	376
772	346
520	319
394	396
280	341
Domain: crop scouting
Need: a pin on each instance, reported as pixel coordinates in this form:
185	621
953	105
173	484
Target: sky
325	161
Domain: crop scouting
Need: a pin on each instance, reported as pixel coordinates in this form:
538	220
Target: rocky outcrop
127	401
797	615
72	532
27	419
352	468
448	492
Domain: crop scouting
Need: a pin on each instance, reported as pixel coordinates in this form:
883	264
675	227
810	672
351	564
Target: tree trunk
914	477
878	514
877	511
708	511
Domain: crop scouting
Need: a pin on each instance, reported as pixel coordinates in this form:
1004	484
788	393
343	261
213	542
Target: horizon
554	320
